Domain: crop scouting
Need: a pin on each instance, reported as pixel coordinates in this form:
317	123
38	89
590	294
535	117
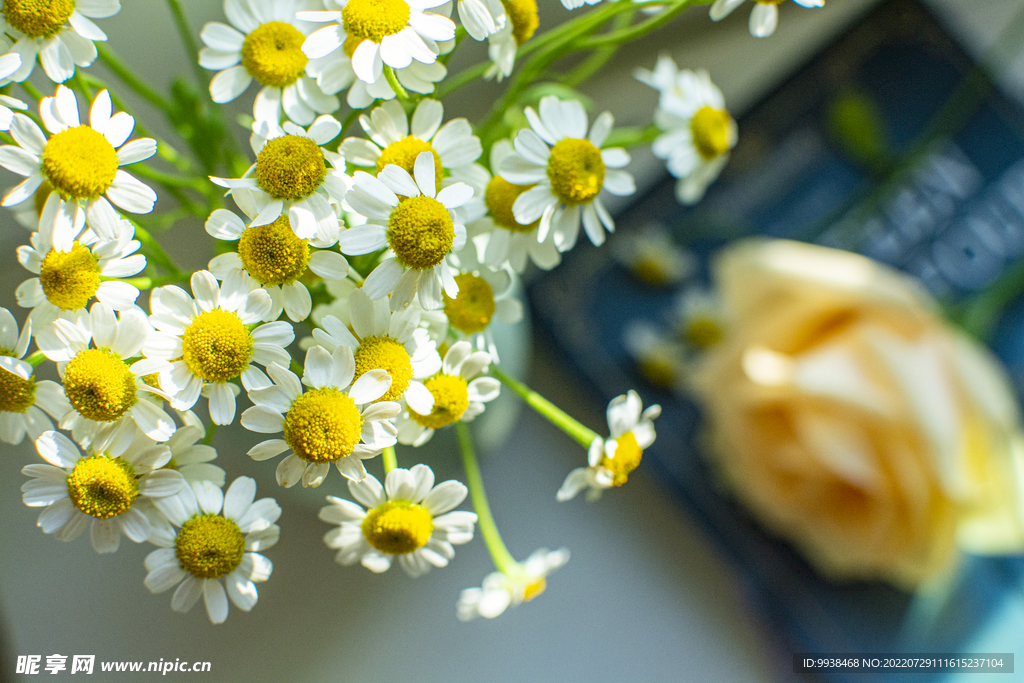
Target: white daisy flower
422	230
568	176
701	318
763	18
485	296
403	518
208	341
294	177
80	162
103	487
24	401
651	255
333	422
212	542
660	358
190	458
699	132
264	43
391	32
503	45
8	103
417	77
60	32
611	460
522	583
459	394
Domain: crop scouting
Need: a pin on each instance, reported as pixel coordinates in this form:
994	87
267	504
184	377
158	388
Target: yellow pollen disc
576	171
272	54
398	527
16	394
70	278
103	487
290	167
404	152
386	354
471	310
534	588
768	2
712	131
38	18
421	232
217	346
523	14
627	457
99	385
209	546
451	399
374	19
79	163
500	195
703	333
322	425
273	254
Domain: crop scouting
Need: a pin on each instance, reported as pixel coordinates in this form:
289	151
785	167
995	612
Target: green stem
450	85
82	86
126	75
503	560
390	460
196	183
594	62
31	91
392	79
156	252
208	439
555	415
632	137
634	32
35	359
191	47
146	282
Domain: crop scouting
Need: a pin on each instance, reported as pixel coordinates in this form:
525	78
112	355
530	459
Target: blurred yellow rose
854	421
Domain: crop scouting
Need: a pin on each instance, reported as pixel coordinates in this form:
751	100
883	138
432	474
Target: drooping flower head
521	583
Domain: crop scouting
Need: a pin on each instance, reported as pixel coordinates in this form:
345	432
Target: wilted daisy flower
215	537
190	458
568	176
325	424
103	487
651	255
265	43
292	178
59	32
521	583
24	401
459	394
403	518
503	45
80	162
699	132
421	229
611	460
209	342
763	18
484	296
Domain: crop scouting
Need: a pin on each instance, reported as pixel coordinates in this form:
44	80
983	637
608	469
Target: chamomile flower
337	421
459	394
701	319
763	18
208	341
503	45
611	460
569	175
699	132
417	77
190	458
24	400
404	519
294	177
485	296
421	229
210	543
264	43
8	103
102	487
662	359
651	255
81	162
59	32
520	583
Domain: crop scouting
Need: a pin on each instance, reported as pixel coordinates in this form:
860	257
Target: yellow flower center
768	2
471	310
421	232
80	163
576	171
398	527
499	196
70	278
386	354
99	385
374	19
38	18
209	546
272	54
217	346
534	588
627	457
290	167
273	254
712	131
404	152
451	399
322	425
659	369
103	487
703	332
16	394
523	14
